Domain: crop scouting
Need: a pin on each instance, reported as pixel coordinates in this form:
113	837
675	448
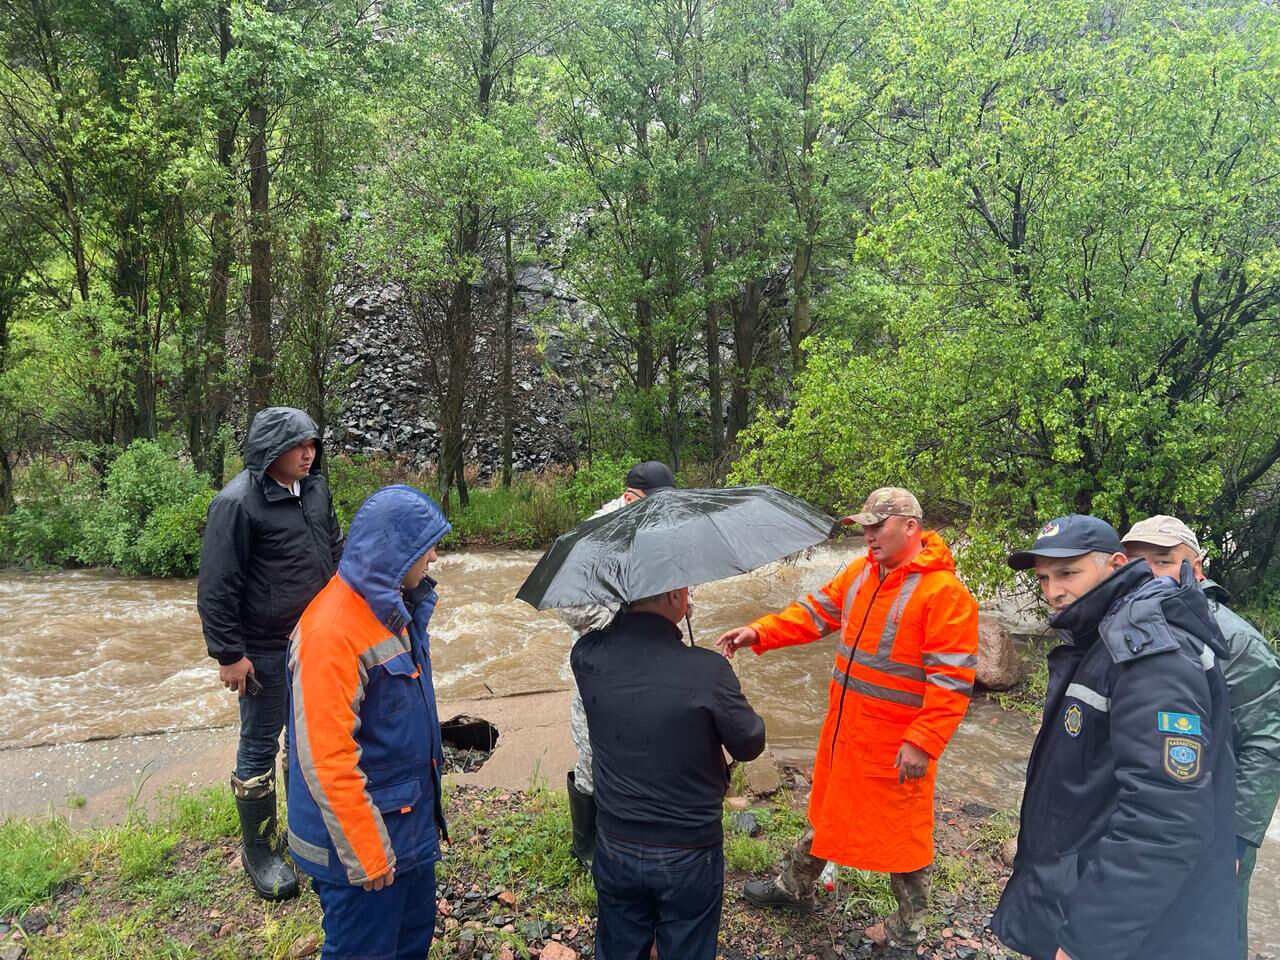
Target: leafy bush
149	519
353	479
592	486
46	526
532	512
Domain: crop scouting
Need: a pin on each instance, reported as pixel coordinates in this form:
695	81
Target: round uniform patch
1073	720
1182	758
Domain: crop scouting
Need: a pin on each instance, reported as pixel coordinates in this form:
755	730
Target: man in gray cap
1253	684
644	478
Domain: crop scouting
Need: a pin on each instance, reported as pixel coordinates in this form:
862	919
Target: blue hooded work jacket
364	736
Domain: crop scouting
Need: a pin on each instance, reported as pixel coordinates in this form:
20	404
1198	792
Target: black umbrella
672	539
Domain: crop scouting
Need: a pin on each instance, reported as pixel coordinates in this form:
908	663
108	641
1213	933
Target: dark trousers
394	923
262	717
674	893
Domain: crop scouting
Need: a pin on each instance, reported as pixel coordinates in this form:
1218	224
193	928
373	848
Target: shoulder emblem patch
1182	758
1186	723
1073	720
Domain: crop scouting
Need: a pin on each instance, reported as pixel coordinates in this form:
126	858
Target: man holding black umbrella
644	478
660	715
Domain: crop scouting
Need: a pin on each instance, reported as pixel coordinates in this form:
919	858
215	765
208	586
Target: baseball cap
650	476
1069	536
1162	531
886	502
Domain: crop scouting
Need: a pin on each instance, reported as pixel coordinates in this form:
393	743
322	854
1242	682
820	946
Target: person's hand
381	880
732	640
1061	955
912	762
233	675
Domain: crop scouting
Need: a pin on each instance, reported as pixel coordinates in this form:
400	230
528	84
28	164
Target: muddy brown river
89	654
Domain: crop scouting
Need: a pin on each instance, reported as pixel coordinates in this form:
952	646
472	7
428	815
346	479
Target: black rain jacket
1126	848
659	714
266	553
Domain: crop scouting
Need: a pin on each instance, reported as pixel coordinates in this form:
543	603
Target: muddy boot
905	928
262	856
793	888
582	812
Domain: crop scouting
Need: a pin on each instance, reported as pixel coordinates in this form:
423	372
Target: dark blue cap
1069	536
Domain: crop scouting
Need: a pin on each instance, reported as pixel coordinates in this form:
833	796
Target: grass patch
37	857
1028	696
209	814
864	893
524	848
745	854
531	512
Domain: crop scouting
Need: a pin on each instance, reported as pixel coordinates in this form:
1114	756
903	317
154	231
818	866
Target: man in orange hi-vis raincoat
904	672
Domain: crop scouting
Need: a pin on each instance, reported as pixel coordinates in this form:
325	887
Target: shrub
591	487
46	526
38	856
353	479
151	513
533	511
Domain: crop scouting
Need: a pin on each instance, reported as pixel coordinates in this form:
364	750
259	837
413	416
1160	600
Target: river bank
171	886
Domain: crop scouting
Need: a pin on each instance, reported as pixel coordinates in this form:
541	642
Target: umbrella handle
689	627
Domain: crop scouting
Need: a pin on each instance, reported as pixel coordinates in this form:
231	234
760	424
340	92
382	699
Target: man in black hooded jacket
1126	849
271	542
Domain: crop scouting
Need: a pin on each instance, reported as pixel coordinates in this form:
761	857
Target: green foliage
209	814
144	851
352	480
530	513
38	856
46	527
595	484
151	514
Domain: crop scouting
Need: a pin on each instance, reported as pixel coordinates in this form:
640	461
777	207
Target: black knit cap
650	476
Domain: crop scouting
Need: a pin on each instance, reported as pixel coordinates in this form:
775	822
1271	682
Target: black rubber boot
272	875
766	893
582	811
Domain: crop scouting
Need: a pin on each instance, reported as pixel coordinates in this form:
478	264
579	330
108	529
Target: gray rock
999	666
744	821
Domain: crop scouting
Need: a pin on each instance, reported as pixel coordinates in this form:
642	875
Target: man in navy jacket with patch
1126	849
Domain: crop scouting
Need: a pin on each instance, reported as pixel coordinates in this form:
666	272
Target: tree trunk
260	352
675	434
801	323
508	401
208	413
746	329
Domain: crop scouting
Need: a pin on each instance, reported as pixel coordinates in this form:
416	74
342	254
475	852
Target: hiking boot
767	893
262	855
582	813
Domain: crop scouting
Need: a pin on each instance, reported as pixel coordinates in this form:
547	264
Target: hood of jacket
1079	621
275	430
388	534
934	555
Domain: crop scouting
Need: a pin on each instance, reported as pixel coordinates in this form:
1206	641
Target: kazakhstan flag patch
1186	723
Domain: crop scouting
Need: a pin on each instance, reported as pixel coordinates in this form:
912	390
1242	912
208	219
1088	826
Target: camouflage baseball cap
887	502
1162	531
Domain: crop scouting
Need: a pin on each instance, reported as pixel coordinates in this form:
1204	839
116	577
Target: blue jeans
674	893
394	923
263	716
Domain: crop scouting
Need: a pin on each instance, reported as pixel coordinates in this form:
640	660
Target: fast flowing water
88	654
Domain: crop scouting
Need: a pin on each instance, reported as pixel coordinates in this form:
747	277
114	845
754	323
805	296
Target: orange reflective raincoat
904	671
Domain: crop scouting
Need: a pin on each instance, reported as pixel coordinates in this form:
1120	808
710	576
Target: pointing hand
731	640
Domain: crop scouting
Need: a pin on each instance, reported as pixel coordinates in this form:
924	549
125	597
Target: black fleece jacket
660	715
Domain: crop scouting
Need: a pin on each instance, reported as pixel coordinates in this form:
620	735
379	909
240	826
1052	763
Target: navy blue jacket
1126	849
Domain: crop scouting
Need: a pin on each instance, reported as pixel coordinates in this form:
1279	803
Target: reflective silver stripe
1207	659
877	692
307	850
890	632
384	650
948	682
819	624
306	760
852	592
1092	697
908	671
826	603
961	660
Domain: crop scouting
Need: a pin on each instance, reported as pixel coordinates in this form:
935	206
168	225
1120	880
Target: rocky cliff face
390	409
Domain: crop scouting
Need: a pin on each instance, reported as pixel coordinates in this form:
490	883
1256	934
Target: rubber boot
582	811
272	875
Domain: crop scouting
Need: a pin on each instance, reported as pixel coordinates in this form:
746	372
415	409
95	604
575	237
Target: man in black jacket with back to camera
660	716
271	542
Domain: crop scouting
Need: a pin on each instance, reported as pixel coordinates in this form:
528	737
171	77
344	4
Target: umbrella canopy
672	539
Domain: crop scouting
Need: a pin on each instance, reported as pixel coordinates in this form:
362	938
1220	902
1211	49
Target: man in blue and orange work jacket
365	756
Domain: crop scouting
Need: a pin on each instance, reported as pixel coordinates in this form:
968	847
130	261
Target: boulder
999	666
763	778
